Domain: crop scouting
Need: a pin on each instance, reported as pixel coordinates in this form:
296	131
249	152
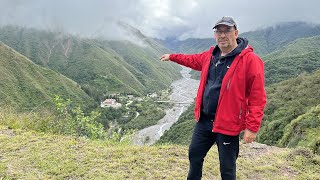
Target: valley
182	96
64	91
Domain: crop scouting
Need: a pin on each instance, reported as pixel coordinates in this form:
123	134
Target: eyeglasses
226	32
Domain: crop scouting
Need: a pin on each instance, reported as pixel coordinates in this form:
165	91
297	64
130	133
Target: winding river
183	92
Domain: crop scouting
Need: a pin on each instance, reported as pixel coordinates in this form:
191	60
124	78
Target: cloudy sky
156	18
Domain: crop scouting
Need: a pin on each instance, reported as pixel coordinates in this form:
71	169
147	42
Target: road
183	90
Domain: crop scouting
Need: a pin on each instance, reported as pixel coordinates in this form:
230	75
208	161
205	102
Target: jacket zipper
228	84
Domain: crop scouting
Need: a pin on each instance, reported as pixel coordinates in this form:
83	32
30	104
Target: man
231	97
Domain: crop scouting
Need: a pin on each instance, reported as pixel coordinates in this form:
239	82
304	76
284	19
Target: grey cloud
155	18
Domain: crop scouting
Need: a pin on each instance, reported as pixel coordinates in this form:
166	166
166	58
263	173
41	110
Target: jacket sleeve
193	61
256	93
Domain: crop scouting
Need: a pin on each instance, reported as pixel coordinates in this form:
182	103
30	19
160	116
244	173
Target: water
183	90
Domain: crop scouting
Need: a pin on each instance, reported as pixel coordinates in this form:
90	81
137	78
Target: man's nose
223	34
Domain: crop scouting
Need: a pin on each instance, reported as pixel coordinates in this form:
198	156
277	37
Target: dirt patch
7	132
256	149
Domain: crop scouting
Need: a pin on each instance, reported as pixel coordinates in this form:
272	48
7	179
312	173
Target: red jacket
242	96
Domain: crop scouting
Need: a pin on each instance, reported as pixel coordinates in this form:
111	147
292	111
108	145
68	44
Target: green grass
32	155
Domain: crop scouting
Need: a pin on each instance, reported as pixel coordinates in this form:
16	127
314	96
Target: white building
110	103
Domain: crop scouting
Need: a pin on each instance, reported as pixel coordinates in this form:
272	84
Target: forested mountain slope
94	64
270	39
26	86
287	101
301	56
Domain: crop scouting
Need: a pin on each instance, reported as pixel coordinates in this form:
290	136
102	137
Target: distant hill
301	56
26	86
188	46
95	64
273	38
264	41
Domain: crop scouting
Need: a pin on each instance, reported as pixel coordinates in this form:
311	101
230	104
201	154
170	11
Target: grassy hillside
287	101
32	155
94	64
26	86
189	46
303	131
299	57
146	65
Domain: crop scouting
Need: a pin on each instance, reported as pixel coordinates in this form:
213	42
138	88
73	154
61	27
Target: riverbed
183	93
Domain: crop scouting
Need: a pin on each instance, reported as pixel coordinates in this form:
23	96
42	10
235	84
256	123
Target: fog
155	18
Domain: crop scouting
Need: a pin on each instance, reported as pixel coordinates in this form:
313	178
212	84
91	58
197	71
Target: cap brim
224	23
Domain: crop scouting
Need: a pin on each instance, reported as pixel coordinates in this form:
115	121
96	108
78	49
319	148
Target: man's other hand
165	57
249	136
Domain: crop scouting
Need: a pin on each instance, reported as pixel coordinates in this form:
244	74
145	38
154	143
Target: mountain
26	86
94	63
264	41
188	46
299	57
273	38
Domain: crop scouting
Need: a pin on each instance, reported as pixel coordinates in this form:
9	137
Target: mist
161	19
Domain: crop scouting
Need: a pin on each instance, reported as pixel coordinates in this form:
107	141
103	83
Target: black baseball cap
226	20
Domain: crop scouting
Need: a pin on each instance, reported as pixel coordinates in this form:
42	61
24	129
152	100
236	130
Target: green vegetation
271	39
144	114
26	86
67	119
303	131
32	155
299	57
73	121
288	100
95	64
189	46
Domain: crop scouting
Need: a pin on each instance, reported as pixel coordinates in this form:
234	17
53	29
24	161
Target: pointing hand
165	57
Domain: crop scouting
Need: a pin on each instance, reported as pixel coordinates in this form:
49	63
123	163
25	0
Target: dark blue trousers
202	140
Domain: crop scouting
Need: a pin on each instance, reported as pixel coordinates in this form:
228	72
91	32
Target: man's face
226	36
